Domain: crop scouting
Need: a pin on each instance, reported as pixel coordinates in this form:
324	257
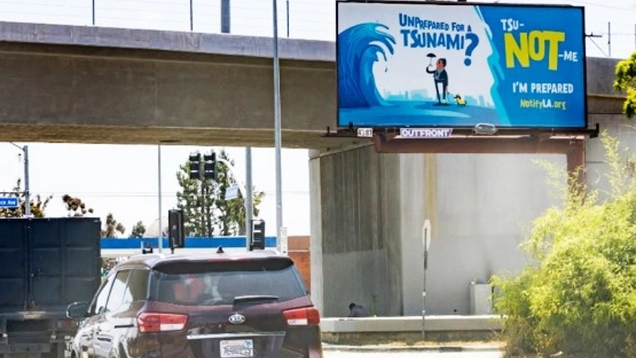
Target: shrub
578	293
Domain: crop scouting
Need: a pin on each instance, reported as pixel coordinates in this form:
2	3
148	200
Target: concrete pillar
355	247
315	212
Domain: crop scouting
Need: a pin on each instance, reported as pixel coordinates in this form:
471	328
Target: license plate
237	348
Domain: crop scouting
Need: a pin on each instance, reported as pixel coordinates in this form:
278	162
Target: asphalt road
336	354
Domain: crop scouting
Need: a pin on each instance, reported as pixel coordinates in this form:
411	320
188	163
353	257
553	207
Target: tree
579	293
38	206
112	227
626	82
138	230
75	206
205	209
231	213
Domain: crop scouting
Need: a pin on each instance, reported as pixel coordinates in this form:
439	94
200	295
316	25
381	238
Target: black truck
45	264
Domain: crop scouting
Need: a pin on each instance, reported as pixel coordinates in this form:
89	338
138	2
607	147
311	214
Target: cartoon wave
358	49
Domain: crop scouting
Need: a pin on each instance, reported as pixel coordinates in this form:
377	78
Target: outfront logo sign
458	64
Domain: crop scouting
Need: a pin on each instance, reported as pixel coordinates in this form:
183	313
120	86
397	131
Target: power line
605	6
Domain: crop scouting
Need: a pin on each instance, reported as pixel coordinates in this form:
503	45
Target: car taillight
161	322
306	316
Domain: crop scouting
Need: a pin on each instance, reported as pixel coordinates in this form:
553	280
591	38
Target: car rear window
215	283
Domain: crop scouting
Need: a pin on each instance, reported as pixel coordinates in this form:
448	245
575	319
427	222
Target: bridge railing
305	19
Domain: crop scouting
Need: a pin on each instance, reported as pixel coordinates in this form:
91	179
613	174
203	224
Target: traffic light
209	166
258	235
176	231
195	166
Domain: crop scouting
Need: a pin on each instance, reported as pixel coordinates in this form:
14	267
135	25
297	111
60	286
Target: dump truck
45	264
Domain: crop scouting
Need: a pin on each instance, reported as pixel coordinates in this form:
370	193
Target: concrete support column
315	243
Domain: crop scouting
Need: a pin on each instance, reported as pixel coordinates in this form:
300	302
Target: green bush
578	294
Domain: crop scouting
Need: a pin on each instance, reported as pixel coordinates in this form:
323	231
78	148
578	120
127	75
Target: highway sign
9	203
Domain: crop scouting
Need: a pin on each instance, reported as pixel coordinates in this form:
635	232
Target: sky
123	179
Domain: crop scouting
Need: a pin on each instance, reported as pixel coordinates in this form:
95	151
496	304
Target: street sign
284	240
9	203
231	192
426	234
365	132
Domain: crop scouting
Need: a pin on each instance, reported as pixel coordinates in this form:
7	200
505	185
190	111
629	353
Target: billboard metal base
506	141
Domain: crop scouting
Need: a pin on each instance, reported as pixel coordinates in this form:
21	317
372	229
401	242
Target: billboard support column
576	161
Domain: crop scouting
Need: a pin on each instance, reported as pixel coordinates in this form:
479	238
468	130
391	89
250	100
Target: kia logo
236	318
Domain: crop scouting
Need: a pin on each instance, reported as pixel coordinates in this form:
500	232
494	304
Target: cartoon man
440	77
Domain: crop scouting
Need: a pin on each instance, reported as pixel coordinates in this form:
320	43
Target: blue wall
190	242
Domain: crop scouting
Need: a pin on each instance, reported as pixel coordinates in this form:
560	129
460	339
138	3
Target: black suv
248	304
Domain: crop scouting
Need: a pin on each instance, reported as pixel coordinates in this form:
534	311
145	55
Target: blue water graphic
358	49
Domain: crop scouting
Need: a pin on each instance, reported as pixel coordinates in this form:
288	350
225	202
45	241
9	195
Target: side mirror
77	310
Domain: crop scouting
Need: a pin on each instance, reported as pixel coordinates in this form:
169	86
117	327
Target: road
334	354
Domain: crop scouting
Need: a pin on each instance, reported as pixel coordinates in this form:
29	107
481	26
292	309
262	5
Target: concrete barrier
344	330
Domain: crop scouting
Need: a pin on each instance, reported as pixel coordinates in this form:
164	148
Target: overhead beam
572	147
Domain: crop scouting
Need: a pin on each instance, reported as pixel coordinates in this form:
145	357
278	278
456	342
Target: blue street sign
9	202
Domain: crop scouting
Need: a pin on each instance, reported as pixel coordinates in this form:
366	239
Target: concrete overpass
98	85
108	85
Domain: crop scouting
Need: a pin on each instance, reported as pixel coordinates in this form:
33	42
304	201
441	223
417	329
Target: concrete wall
616	126
372	208
479	206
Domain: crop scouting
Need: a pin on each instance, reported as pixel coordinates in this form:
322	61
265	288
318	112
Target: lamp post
277	129
27	193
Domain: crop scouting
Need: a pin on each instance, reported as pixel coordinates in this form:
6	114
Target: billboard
460	64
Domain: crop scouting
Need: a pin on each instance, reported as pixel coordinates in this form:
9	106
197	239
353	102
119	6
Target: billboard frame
349	130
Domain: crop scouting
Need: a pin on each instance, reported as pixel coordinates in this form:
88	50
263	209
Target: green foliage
38	205
231	213
579	295
112	227
196	199
205	210
626	82
138	230
75	206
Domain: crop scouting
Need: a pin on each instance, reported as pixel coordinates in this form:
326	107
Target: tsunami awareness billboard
460	64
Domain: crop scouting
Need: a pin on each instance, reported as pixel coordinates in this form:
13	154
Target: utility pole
249	197
609	39
225	16
191	15
248	190
27	191
287	3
